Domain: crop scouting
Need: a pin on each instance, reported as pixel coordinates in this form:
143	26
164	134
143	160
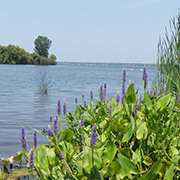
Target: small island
12	54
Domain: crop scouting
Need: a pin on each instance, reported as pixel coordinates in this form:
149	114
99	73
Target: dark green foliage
42	45
15	55
168	63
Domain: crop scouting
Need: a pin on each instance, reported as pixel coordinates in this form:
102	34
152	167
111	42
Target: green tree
42	45
168	63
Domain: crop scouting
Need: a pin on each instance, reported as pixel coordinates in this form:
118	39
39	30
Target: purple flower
162	87
144	77
179	97
93	136
104	90
135	107
110	108
55	128
82	96
62	155
49	133
123	85
31	160
85	104
59	107
118	98
154	93
50	119
35	139
75	100
91	93
64	107
102	93
23	139
82	121
44	130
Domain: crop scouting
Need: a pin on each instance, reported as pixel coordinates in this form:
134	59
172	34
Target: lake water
22	105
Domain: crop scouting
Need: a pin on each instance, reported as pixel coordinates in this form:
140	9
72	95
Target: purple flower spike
93	136
91	95
144	77
62	155
50	119
118	98
44	130
55	128
162	87
59	107
179	97
82	96
23	139
154	94
140	99
82	121
123	85
85	104
75	100
35	139
31	160
49	133
135	107
104	90
102	93
64	107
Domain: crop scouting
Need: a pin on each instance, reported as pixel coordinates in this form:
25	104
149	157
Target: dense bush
15	55
119	138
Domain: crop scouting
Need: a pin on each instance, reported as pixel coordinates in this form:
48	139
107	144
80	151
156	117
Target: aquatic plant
43	83
123	85
168	62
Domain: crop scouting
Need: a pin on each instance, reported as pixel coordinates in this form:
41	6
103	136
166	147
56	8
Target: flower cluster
118	98
64	107
123	85
31	160
91	94
55	126
23	139
35	139
59	107
144	77
93	136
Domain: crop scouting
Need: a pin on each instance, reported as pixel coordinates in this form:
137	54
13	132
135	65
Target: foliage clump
168	63
110	139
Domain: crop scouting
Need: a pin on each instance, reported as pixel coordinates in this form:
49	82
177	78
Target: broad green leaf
109	152
130	94
18	156
129	132
67	135
113	168
142	131
147	101
163	102
127	165
169	173
151	174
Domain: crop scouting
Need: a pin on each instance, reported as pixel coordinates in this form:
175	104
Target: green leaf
151	174
163	102
130	94
127	136
127	165
169	173
18	156
148	102
113	168
67	135
109	152
142	131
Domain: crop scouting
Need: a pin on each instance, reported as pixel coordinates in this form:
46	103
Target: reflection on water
22	105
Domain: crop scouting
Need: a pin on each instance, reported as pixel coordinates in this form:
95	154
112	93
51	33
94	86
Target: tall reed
168	62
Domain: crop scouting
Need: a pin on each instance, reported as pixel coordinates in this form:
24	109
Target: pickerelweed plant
114	140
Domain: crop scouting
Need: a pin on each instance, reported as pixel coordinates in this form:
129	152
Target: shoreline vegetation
15	55
126	137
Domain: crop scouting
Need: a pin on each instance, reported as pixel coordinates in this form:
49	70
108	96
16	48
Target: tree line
12	54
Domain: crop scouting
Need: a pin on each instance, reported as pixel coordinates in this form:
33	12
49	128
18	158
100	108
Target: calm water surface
22	105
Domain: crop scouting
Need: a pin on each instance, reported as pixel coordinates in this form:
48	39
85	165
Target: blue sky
122	31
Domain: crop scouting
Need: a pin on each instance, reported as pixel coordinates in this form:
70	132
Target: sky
114	31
